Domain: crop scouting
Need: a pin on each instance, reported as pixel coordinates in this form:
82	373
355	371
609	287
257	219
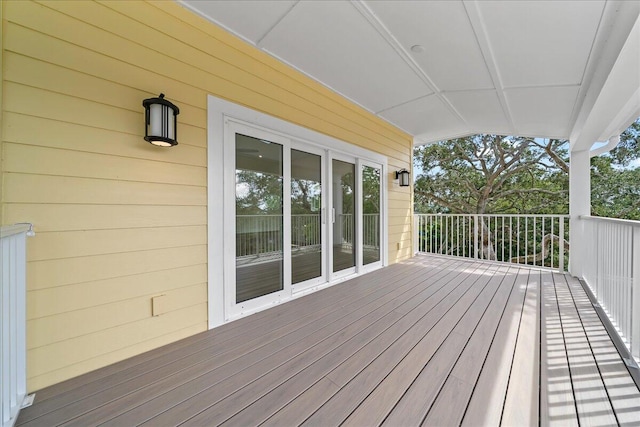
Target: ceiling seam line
382	30
589	67
472	8
259	41
405	103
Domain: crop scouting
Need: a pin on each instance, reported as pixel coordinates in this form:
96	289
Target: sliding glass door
371	181
343	215
308	257
296	217
257	218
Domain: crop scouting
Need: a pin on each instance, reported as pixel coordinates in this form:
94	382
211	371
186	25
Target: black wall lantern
161	121
403	177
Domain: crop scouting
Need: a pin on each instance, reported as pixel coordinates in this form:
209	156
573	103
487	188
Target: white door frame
383	220
233	309
313	149
220	111
333	214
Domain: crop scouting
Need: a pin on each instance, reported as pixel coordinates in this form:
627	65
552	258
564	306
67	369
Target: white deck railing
539	240
612	272
13	374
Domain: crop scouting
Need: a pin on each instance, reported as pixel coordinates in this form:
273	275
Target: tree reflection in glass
306	224
344	189
371	214
259	210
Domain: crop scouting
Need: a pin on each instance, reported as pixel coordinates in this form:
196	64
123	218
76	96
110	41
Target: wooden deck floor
430	341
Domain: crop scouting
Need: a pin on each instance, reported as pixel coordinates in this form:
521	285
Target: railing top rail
497	215
611	220
11	230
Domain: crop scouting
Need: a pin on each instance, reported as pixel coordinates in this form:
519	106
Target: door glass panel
344	202
306	226
259	210
370	214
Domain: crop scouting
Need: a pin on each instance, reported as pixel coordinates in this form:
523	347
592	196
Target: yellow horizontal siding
80	367
72	244
118	220
396	230
72	324
50	301
31	72
57	355
65	217
66	271
54	161
41	188
31	130
98	350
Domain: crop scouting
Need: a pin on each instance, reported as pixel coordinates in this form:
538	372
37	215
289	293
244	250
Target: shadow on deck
432	340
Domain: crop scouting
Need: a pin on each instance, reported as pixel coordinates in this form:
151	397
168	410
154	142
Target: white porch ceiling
528	67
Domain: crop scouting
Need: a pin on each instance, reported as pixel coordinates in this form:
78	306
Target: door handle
333	215
324	218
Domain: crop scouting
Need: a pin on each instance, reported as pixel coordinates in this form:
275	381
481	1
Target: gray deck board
620	388
592	400
521	402
225	337
250	365
485	408
437	378
414	348
194	361
460	384
558	401
432	341
281	361
347	344
350	351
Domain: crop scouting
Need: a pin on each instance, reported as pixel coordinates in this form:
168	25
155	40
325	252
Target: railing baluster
634	319
542	243
612	271
561	245
551	247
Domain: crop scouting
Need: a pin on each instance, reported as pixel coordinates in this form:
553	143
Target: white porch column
579	204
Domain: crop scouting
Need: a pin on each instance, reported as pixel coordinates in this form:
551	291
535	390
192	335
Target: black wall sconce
403	177
161	121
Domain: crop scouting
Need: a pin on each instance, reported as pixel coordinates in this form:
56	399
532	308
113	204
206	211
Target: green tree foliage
258	193
492	174
512	175
370	190
615	192
615	178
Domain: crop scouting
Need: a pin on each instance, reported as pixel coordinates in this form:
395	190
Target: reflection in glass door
306	218
343	214
259	217
370	214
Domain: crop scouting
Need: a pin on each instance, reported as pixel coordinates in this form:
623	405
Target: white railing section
537	240
612	272
13	369
262	234
344	222
258	234
305	230
371	230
